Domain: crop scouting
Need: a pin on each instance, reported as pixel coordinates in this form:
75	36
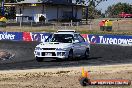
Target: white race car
64	44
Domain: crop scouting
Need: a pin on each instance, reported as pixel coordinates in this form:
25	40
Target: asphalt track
100	55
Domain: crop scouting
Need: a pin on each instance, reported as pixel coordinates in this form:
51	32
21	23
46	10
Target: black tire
39	59
70	56
83	81
86	56
59	59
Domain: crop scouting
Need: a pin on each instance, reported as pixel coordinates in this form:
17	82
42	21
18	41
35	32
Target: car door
82	44
76	46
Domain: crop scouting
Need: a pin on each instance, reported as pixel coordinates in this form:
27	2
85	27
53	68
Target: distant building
46	10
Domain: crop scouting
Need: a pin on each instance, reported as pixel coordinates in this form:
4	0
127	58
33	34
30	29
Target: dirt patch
62	77
6	55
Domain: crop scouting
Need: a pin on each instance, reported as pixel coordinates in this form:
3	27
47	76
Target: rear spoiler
66	31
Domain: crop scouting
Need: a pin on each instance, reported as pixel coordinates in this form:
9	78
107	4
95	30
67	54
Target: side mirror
76	41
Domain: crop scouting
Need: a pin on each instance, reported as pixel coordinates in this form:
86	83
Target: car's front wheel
86	54
70	56
39	59
59	59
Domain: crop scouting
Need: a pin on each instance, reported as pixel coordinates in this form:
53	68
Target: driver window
79	38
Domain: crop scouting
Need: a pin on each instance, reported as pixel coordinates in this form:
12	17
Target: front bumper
51	54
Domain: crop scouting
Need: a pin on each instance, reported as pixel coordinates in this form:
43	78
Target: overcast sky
103	6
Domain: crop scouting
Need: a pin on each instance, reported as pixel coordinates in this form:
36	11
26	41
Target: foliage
9	11
116	9
8	1
91	10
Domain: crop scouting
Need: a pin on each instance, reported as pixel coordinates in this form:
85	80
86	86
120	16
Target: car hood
54	45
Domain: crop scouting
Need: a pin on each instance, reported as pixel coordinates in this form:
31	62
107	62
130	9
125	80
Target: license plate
48	54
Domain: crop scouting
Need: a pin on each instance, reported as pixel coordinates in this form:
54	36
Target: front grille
49	48
43	54
53	54
60	53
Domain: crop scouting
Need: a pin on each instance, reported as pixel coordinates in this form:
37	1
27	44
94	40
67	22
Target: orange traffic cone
85	74
84	80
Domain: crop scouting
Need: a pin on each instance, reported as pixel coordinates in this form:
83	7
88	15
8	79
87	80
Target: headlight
61	48
38	48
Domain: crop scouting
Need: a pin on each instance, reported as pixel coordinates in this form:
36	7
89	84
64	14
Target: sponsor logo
27	36
93	39
84	36
110	82
31	36
85	80
6	36
115	40
110	39
40	36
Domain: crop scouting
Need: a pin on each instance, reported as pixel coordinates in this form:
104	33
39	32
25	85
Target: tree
9	12
90	10
8	1
2	12
114	10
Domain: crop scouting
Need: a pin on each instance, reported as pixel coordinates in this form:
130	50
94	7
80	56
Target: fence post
118	25
71	23
90	26
53	26
31	24
65	26
20	22
77	25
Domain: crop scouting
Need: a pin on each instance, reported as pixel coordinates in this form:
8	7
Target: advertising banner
91	38
15	36
35	36
110	39
85	36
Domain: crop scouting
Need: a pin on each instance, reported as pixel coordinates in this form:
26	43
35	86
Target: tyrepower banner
14	36
35	36
110	39
91	38
85	36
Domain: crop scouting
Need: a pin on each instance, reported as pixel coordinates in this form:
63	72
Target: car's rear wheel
86	54
70	56
39	59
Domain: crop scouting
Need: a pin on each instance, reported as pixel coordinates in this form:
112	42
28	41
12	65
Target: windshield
63	38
